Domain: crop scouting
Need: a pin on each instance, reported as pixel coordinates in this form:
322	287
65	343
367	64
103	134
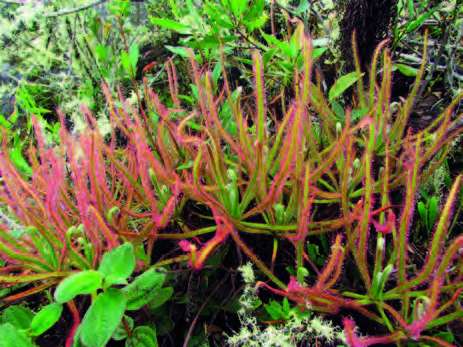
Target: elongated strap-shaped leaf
259	90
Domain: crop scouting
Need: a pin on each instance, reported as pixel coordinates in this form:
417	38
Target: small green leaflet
170	25
121	332
45	319
238	7
117	265
143	289
181	51
342	84
142	336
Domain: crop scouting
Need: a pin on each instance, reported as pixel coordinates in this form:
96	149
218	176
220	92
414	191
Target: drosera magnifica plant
92	192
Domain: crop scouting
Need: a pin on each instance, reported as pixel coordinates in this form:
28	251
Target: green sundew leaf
422	211
117	265
447	336
170	25
102	318
46	250
45	318
181	51
433	211
227	119
143	289
375	284
84	282
184	166
216	73
121	333
342	84
18	316
302	273
162	295
19	161
10	336
358	113
142	336
285	306
406	70
314	253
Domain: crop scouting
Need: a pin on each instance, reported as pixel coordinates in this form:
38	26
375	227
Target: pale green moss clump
297	329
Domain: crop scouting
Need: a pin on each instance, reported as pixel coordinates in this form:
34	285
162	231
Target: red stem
76	321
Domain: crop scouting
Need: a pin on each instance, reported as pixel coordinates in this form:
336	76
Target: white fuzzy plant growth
295	330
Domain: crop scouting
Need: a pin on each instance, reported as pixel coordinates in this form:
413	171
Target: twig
193	324
73	10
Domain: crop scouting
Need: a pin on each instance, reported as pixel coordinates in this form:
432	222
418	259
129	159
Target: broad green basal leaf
10	336
102	318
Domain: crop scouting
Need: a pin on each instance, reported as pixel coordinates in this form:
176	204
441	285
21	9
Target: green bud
112	212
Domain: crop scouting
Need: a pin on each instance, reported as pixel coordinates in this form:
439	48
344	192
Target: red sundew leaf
163	219
355	341
143	172
217	124
388	226
149	67
39	138
333	267
350	334
419	324
198	257
172	77
186	246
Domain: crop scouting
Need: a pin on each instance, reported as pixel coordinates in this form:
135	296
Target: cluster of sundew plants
91	192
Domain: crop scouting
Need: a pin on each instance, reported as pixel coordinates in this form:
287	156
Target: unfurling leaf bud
112	212
338	128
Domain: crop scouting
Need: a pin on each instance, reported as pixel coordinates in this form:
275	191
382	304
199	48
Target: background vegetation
231	172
